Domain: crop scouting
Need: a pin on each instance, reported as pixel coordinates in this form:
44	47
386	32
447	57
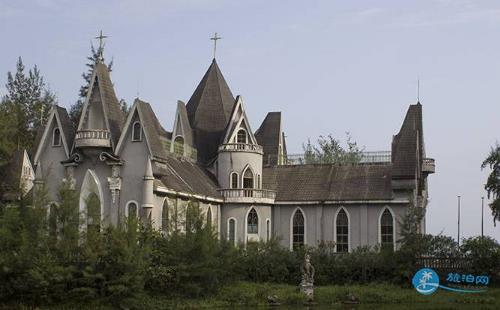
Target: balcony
92	138
241	147
429	166
248	195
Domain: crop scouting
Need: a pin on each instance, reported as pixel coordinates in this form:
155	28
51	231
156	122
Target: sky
329	66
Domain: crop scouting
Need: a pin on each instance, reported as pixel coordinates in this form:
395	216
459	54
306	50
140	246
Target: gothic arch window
342	232
179	146
209	216
136	132
93	213
231	230
56	137
241	136
132	209
164	216
387	229
234	180
248	178
252	222
298	230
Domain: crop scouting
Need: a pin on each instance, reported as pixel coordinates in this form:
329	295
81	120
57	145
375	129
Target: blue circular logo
426	281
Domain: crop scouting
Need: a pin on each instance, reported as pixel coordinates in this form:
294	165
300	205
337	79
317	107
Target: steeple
209	111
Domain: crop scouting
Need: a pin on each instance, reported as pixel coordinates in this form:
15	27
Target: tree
331	151
492	185
95	56
25	108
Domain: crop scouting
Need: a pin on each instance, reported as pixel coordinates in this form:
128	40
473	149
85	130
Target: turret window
241	136
137	132
234	180
56	137
253	222
231	230
248	179
179	146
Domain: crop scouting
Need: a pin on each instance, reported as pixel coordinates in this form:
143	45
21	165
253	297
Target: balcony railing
243	147
302	159
248	195
429	165
92	138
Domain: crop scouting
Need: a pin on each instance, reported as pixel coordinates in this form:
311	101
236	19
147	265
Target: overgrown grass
251	295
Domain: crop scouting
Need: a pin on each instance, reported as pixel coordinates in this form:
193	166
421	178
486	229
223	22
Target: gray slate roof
407	145
209	111
152	129
112	110
185	176
329	182
268	136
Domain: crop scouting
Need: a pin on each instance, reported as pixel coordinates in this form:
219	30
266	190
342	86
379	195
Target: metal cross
215	38
101	38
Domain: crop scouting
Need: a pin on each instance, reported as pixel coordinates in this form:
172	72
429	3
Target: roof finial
418	89
215	38
101	38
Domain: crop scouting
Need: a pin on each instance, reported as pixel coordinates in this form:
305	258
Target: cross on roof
215	38
101	38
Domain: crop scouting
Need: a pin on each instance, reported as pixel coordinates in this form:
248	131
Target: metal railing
247	193
240	147
302	159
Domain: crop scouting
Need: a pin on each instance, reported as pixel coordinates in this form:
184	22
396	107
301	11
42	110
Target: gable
55	120
238	121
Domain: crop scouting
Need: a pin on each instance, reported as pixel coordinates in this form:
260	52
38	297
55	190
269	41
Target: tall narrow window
342	231
56	137
209	216
253	222
93	213
132	209
268	230
248	179
179	146
241	136
164	216
234	180
387	229
137	132
298	230
231	230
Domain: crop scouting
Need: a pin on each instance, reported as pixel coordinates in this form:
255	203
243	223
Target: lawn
246	295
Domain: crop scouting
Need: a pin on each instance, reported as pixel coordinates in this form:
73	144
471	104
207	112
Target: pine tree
27	104
95	56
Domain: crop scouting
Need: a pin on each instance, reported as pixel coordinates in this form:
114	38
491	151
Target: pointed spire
148	173
209	110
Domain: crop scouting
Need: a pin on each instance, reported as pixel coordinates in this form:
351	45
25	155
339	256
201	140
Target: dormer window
56	137
137	132
241	136
179	146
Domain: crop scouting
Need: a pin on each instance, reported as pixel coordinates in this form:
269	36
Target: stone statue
307	283
115	182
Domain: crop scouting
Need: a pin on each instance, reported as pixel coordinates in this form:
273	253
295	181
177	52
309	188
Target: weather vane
101	38
215	38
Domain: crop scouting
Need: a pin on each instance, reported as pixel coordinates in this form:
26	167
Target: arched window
342	232
241	136
248	179
137	132
234	180
164	216
387	229
179	146
231	230
209	216
56	137
258	181
268	230
252	222
298	231
93	213
132	209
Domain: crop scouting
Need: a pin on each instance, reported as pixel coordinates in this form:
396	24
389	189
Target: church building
246	185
